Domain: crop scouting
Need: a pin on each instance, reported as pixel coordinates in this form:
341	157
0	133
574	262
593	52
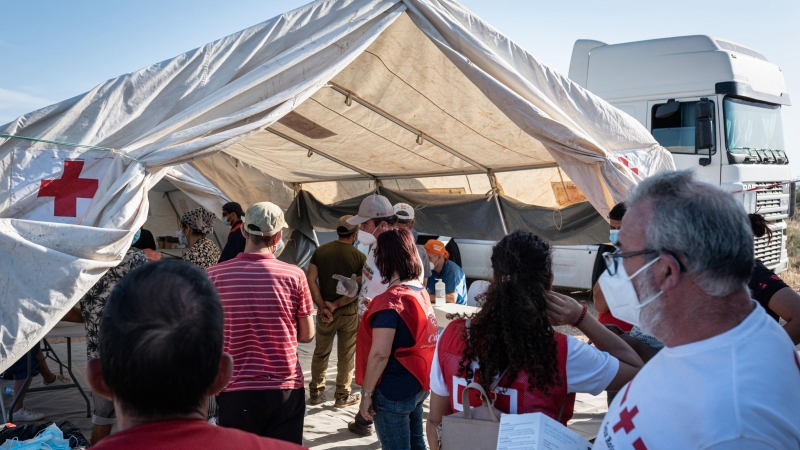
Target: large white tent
330	99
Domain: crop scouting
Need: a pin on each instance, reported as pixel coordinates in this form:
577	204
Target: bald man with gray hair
728	376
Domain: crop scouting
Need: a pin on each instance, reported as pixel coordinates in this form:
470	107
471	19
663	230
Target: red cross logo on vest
68	189
627	164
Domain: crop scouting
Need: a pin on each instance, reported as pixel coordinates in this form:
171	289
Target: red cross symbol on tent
68	189
627	164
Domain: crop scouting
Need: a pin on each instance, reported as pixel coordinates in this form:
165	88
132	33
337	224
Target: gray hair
701	222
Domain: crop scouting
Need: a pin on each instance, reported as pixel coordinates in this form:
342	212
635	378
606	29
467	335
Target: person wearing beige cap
405	218
268	310
333	276
375	215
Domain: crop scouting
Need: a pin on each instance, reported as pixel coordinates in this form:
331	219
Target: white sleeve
742	443
438	385
588	369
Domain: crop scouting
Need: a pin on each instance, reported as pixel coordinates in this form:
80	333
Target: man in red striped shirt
268	309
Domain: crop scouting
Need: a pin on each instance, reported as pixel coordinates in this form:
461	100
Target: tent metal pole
352	96
323	154
496	195
390	176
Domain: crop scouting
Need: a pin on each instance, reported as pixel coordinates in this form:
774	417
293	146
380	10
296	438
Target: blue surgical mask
612	237
136	236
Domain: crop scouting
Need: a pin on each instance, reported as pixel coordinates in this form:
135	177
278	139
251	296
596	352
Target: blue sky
54	50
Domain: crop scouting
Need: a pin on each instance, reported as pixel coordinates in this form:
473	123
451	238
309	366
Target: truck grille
769	253
773	204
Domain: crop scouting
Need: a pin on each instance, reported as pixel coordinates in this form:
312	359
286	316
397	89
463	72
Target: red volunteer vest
516	399
236	228
415	309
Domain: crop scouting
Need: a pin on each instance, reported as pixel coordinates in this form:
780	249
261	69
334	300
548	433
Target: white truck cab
699	95
696	95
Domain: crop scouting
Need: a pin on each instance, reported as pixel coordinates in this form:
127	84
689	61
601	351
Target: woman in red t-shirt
512	337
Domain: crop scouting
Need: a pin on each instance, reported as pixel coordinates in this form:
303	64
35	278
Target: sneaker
347	400
27	415
362	430
60	380
316	399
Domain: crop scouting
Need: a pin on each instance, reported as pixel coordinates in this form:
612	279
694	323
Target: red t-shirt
188	435
262	299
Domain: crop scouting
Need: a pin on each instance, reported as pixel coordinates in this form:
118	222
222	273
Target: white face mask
621	296
367	238
433	266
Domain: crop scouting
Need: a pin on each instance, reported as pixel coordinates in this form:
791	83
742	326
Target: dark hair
396	253
146	240
256	239
618	211
233	207
161	339
391	220
511	330
346	235
760	226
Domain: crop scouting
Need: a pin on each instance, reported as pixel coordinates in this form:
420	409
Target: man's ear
277	237
224	374
668	274
94	377
550	284
244	233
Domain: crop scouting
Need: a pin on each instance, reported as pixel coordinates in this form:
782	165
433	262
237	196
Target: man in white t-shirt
728	376
375	215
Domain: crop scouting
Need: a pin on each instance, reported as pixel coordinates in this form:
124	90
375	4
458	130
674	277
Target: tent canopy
330	98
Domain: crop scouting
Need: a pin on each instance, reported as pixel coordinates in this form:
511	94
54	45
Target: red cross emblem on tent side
627	164
68	189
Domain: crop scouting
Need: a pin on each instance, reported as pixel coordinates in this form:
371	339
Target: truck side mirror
704	128
667	109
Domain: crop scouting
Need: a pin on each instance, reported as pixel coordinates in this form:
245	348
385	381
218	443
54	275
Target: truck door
672	122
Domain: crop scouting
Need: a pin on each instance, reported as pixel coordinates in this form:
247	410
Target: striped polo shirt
262	299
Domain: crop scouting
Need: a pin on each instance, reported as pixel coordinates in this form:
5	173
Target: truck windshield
752	125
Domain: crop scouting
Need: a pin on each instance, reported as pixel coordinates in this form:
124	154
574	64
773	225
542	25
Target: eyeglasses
612	260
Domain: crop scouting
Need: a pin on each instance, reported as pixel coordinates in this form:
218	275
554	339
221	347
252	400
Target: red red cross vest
415	309
516	399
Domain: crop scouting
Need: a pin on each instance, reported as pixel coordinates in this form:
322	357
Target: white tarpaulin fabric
332	91
197	187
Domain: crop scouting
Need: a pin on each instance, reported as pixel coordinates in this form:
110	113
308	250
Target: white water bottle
440	292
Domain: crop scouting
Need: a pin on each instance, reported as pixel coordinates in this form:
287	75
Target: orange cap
437	248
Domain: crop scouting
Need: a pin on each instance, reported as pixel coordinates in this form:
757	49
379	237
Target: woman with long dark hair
395	344
780	300
512	338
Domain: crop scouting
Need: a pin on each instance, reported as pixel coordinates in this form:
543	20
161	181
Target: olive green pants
345	327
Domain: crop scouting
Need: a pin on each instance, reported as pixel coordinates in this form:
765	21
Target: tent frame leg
496	194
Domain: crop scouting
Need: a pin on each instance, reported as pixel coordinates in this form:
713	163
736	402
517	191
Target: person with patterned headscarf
195	225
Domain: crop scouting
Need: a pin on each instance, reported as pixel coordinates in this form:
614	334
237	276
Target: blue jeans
399	424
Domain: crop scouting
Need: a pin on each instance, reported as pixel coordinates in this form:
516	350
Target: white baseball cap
264	219
404	211
372	207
